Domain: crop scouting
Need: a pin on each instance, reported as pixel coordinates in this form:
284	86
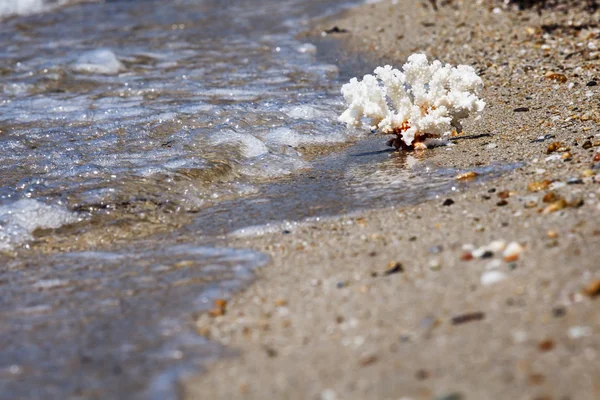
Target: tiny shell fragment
556	77
466	175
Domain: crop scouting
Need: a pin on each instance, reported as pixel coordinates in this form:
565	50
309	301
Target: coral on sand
422	101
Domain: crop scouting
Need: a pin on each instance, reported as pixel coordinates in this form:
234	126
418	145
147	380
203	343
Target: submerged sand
456	320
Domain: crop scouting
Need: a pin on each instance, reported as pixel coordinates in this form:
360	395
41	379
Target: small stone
502	203
435	249
574	181
393	267
596	158
340	285
530	204
552	234
463	318
536	186
550	197
367	359
422	374
546	345
587	173
281	302
587	145
577	332
552	147
591	83
559	311
505	194
491	277
567	156
435	265
448	202
512	252
487	254
466	175
592	289
556	77
521	109
468	256
553	207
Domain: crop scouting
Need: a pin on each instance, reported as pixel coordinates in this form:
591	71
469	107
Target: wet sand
455	320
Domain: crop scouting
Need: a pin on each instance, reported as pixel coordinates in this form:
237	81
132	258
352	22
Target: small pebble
574	181
591	83
491	277
393	267
463	318
448	202
466	175
559	311
592	289
546	345
367	359
512	252
502	203
577	332
521	109
435	249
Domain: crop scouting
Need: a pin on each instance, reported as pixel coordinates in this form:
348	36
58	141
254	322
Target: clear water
133	136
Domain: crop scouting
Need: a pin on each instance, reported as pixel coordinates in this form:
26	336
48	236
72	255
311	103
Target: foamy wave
19	219
25	7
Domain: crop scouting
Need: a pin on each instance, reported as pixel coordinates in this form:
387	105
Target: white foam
248	145
303	112
24	7
288	137
19	219
101	61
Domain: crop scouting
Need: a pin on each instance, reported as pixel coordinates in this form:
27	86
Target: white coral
425	100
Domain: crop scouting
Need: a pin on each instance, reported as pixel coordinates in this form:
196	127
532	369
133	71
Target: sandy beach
486	293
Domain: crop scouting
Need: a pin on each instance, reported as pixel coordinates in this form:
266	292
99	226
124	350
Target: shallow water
133	136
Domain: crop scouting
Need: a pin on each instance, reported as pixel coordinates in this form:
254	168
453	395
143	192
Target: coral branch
420	102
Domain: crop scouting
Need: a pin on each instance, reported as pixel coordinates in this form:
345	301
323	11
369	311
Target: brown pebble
367	359
556	77
463	318
552	234
536	379
567	156
466	175
505	194
422	374
502	203
466	256
592	289
597	157
511	258
281	302
546	345
549	197
536	186
587	144
552	147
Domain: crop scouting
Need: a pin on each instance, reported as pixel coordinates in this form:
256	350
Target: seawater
134	137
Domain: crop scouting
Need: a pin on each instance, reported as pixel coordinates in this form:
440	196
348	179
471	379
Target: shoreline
327	319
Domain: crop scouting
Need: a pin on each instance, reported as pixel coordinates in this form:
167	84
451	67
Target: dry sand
324	321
